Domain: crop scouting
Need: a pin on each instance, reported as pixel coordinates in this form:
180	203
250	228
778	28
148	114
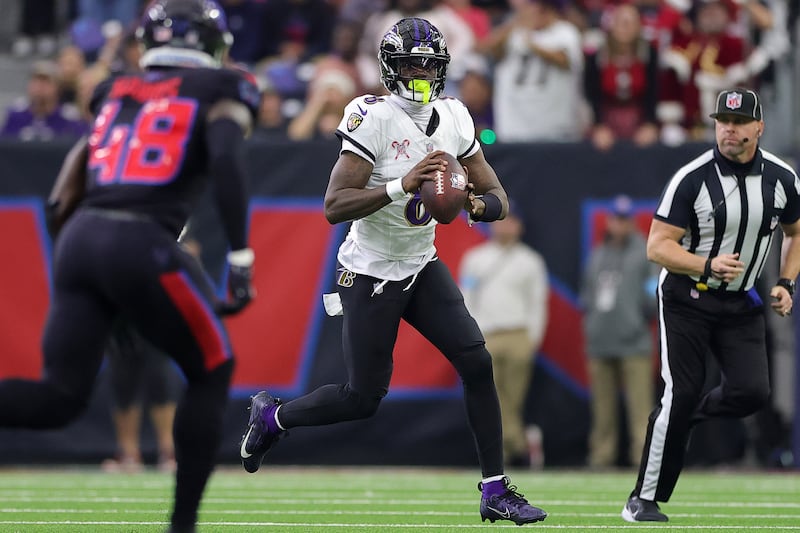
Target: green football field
382	500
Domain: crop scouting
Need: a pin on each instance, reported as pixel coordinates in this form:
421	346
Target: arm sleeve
225	143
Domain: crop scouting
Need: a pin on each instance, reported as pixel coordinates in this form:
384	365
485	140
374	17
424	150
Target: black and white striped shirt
723	213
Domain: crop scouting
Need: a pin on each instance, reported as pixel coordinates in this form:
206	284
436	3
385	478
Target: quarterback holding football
388	267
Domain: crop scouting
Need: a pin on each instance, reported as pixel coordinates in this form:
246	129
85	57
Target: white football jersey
396	241
533	99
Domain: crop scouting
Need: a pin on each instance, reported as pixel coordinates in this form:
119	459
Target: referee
711	234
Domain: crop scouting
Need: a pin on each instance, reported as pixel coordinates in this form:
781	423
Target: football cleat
259	439
639	510
510	505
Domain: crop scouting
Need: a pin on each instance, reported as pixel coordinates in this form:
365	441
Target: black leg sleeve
198	430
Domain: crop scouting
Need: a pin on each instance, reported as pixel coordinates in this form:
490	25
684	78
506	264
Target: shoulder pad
238	84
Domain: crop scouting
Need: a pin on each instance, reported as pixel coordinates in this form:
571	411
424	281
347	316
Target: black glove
240	277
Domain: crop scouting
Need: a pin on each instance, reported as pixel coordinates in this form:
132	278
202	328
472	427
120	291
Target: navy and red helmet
414	45
196	25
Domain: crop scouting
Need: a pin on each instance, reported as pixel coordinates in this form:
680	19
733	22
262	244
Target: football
444	196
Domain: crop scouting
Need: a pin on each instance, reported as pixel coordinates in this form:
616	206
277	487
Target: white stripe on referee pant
655	455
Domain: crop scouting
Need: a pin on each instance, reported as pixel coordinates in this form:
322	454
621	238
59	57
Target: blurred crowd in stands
641	71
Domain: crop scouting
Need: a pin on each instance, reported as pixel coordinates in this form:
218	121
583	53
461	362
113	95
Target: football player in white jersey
388	266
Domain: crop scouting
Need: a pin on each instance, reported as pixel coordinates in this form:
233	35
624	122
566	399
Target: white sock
278	422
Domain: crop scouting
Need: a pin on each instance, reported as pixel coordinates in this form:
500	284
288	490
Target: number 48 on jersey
147	151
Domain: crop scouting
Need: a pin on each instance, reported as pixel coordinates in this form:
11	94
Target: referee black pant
693	323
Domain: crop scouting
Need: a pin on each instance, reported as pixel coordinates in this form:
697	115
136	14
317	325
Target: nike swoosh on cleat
504	514
243	450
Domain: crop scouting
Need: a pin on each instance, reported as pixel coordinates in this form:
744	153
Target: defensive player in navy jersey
389	270
158	138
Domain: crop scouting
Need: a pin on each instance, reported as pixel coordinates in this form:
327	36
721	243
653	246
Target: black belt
118	214
720	293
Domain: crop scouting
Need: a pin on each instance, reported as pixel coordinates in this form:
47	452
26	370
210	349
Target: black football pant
692	323
109	265
434	306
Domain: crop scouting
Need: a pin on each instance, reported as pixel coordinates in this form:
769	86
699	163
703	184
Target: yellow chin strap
421	86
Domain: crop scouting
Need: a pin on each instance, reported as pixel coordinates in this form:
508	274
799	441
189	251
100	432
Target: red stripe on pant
203	324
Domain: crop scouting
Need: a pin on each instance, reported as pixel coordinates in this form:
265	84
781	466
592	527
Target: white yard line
381	526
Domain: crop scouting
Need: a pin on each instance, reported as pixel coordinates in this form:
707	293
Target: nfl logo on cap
733	101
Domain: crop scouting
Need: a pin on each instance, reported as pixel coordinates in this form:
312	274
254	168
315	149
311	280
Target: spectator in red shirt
621	80
698	67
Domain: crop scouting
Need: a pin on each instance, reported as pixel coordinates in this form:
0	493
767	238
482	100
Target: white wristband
394	190
242	258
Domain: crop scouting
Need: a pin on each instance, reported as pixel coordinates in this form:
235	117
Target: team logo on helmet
733	101
393	38
354	121
162	34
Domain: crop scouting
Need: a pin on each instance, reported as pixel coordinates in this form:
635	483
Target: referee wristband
787	284
394	189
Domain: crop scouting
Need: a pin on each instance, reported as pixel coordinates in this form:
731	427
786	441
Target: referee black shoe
510	505
639	510
259	439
